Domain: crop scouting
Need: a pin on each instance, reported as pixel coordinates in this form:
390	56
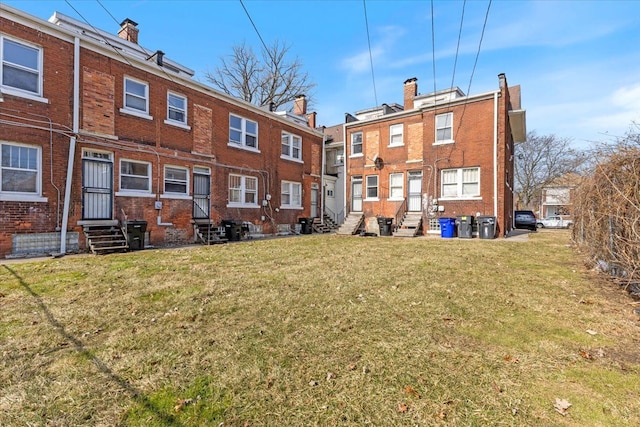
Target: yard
320	330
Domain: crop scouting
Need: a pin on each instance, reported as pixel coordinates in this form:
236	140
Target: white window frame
458	184
393	186
289	147
294	192
135	191
243	189
170	121
243	133
176	181
133	110
396	135
7	167
355	142
370	185
448	124
36	95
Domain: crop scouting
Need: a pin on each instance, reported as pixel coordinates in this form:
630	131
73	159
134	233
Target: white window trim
10	90
366	189
400	144
177	123
139	193
396	199
243	135
290	157
444	141
134	111
243	187
15	196
459	185
291	206
169	194
361	153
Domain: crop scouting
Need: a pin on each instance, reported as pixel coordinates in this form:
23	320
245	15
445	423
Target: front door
356	194
314	200
201	193
97	185
414	196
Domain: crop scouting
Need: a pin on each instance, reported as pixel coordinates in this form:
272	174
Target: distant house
443	154
102	138
557	197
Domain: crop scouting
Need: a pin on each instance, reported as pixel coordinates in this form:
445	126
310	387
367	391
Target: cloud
383	42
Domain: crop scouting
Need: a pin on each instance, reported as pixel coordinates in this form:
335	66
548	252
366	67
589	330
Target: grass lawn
320	330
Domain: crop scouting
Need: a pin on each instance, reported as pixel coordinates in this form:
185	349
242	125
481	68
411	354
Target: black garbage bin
232	230
465	226
305	225
487	227
135	234
385	226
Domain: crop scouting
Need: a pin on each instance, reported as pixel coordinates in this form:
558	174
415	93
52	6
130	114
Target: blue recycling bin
447	227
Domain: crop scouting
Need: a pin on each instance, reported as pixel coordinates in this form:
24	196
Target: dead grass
319	330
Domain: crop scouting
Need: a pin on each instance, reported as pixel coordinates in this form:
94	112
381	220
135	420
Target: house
101	136
557	196
443	154
334	208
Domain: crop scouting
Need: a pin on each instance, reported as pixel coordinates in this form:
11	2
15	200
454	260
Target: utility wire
455	62
433	48
105	9
373	78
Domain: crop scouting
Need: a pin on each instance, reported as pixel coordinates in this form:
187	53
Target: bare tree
539	161
262	81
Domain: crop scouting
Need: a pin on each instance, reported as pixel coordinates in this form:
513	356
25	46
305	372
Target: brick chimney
410	92
300	105
311	120
129	31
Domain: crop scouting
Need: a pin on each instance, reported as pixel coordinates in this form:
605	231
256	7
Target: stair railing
402	209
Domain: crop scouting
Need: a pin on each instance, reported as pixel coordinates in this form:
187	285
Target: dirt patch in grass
318	330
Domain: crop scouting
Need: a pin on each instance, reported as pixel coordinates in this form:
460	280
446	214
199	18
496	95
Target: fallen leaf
561	406
497	388
510	359
402	407
410	390
586	355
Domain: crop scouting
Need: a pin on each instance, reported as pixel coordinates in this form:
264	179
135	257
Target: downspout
72	145
495	155
344	173
324	140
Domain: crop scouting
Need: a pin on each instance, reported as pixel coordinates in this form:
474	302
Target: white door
414	192
314	200
356	194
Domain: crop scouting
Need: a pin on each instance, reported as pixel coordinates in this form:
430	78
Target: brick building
97	131
443	154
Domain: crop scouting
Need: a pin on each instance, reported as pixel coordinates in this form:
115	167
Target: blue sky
578	62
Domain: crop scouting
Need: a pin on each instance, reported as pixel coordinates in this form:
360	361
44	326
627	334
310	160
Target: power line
455	62
433	48
373	78
105	9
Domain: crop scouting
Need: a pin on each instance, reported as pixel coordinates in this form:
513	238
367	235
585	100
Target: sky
577	62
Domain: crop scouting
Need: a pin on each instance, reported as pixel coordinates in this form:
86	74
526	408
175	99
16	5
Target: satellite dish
379	163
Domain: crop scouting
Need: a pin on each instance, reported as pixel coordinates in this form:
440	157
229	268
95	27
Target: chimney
300	105
129	31
311	120
410	92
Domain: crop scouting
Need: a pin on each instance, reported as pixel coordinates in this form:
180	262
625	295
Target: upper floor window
176	108
396	187
243	132
291	194
176	180
461	183
20	169
396	134
291	146
372	187
243	191
444	128
21	67
135	176
356	143
136	96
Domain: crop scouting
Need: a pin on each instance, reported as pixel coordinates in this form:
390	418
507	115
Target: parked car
555	221
526	220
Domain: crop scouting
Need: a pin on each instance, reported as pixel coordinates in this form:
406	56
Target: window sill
296	208
31	96
177	124
7	197
448	141
459	199
125	193
373	199
291	159
136	113
176	196
241	205
395	145
355	156
242	147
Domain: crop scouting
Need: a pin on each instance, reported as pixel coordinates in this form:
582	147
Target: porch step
104	239
329	222
409	226
351	224
319	227
208	234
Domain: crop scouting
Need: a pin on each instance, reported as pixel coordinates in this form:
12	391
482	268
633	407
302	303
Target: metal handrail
402	209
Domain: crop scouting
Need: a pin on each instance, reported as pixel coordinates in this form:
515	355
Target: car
526	220
555	221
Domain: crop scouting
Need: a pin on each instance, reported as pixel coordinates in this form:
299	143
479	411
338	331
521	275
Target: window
444	127
396	182
243	191
21	67
291	146
19	170
372	187
356	143
136	96
461	183
291	195
135	176
176	180
176	108
243	132
396	135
